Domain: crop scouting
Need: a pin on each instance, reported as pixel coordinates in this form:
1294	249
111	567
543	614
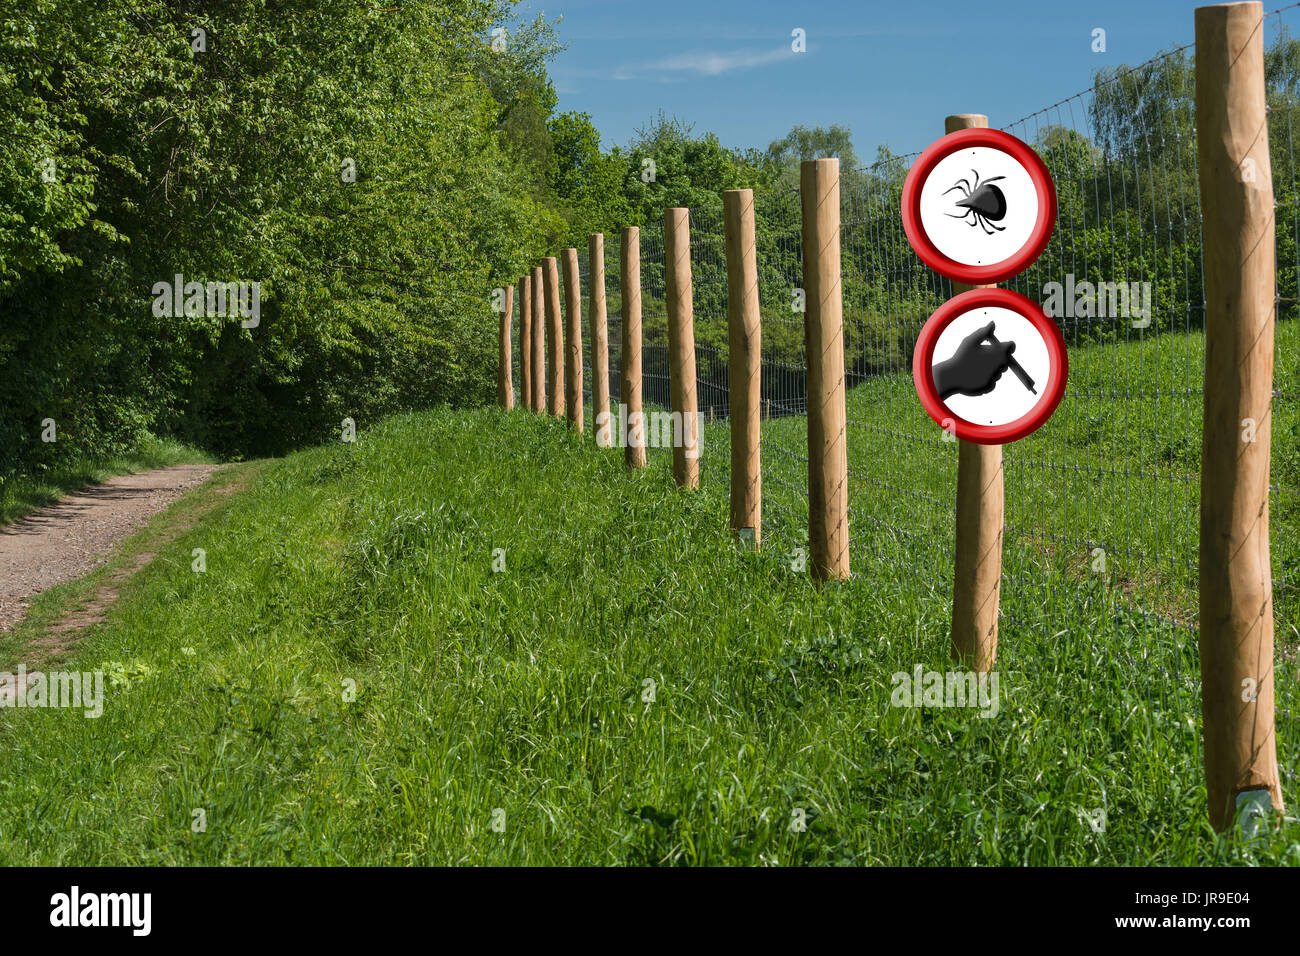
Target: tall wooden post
1236	580
977	572
681	345
744	362
539	341
526	340
573	340
555	337
629	277
505	387
599	340
828	461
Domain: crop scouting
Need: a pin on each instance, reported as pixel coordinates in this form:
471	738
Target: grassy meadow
471	637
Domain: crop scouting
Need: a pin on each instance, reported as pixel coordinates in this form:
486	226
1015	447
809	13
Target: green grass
523	691
1117	467
22	494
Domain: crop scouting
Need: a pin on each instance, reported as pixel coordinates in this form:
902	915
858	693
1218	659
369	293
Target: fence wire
709	315
783	453
783	406
614	326
1102	503
655	380
1105	497
901	470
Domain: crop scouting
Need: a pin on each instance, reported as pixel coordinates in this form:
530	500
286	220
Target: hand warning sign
963	357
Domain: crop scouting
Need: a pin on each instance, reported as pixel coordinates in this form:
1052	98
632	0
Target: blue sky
890	71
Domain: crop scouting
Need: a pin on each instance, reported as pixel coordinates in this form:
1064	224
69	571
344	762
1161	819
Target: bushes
140	152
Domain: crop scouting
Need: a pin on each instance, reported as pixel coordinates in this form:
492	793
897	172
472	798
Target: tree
352	160
585	183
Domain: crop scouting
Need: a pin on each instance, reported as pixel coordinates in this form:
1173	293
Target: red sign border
1038	238
1053	391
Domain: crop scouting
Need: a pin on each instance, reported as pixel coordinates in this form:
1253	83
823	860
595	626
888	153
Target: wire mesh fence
1116	473
1106	495
783	401
1102	503
901	470
709	308
783	392
516	338
656	391
583	306
614	330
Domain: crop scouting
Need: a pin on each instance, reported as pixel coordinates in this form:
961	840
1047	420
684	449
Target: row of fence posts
1236	616
551	356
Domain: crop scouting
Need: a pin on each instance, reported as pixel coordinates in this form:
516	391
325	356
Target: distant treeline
239	226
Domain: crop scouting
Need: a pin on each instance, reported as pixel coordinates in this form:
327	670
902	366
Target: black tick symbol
984	203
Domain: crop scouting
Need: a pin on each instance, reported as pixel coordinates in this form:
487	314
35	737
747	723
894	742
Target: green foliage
665	167
228	164
585	182
802	144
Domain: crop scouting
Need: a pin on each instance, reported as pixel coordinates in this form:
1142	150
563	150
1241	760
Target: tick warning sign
978	206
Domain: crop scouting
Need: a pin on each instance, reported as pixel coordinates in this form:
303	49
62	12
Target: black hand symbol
976	366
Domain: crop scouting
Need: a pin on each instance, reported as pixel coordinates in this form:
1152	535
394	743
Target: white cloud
705	63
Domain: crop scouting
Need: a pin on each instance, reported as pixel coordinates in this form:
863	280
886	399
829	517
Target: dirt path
72	537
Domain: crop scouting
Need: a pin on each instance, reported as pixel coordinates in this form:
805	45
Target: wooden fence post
744	376
633	423
828	462
599	340
505	387
1236	580
681	345
554	337
526	340
573	340
539	342
977	571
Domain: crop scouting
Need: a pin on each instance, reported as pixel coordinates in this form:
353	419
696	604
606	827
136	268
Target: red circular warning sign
989	366
979	206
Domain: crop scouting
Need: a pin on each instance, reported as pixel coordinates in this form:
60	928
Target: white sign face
989	383
978	206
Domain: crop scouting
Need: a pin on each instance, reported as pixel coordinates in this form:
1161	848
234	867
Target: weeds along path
72	537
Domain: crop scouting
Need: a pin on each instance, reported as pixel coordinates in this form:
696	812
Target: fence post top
965	121
1218	16
677	217
824	162
1227	9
